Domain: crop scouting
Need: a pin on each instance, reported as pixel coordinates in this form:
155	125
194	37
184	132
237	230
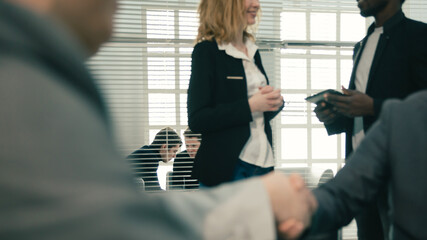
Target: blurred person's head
89	21
377	8
168	142
226	20
192	142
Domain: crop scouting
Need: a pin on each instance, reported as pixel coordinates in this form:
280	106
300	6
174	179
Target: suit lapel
357	54
258	63
382	44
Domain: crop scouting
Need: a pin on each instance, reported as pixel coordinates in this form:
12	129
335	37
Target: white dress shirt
257	150
362	76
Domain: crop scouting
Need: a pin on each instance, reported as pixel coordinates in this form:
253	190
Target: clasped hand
292	202
266	99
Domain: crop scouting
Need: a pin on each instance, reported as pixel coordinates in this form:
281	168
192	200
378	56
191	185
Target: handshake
292	203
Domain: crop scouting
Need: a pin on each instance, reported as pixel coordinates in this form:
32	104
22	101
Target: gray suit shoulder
414	104
418	100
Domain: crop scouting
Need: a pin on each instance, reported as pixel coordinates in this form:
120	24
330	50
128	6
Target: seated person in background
145	160
183	163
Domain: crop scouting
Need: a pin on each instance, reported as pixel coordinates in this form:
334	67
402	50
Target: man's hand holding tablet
325	111
320	97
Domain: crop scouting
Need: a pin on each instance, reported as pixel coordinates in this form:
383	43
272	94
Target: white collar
232	51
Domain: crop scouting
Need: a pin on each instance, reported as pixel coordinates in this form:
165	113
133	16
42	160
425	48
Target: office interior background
306	46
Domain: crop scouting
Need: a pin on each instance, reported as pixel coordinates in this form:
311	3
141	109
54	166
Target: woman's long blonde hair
223	20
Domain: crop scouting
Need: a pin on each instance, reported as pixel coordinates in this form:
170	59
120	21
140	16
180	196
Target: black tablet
318	97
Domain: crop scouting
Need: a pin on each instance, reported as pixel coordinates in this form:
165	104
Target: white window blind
306	46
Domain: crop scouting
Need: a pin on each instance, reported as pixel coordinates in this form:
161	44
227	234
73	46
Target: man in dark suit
393	155
145	161
390	62
184	161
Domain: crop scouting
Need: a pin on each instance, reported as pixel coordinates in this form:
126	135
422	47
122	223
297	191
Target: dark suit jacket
182	170
218	108
399	68
145	162
393	153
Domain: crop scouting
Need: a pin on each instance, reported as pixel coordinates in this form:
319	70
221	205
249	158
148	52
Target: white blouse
257	150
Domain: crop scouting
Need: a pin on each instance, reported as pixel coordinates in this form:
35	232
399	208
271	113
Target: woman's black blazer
218	108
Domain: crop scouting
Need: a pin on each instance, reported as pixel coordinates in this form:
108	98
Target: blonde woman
229	100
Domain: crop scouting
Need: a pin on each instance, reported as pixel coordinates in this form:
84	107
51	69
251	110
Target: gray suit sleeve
358	182
62	178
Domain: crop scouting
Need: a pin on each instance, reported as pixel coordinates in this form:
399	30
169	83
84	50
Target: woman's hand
266	99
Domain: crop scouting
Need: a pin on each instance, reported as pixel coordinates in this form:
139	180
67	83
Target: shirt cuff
246	215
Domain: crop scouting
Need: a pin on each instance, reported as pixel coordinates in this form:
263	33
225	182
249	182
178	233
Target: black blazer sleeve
358	182
206	111
419	59
341	124
415	34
